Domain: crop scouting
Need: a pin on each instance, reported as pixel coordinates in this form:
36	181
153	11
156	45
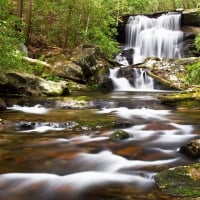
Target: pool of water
48	160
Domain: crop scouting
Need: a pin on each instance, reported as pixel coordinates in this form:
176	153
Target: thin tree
19	8
27	29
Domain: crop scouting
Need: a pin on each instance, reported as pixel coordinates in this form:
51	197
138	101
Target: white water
159	37
37	109
141	81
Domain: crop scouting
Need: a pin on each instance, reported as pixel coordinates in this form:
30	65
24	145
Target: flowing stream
57	150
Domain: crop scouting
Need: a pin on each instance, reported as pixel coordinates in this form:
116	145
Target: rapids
51	155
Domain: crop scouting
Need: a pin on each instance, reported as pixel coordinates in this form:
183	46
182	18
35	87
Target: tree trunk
19	8
118	12
27	30
35	61
87	25
164	82
67	27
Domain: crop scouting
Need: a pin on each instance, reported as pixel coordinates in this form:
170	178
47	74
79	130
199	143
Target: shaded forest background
66	24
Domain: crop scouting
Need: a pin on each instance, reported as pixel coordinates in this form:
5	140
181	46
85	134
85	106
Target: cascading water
159	37
141	81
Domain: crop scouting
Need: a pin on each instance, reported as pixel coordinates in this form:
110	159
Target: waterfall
145	37
159	37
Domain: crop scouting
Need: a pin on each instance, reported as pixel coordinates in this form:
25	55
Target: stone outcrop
21	84
191	18
87	63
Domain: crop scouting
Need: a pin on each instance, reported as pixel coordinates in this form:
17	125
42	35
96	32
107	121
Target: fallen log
36	61
164	81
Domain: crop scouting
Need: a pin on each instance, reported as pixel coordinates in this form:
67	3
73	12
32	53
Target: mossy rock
192	149
183	181
184	100
119	135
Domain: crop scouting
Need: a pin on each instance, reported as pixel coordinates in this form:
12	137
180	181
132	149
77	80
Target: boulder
91	60
119	135
106	83
192	149
69	70
22	84
86	65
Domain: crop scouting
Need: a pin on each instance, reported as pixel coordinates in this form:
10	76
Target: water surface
66	153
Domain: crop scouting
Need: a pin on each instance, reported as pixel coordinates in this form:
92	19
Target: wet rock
121	124
128	54
106	83
22	126
119	135
25	125
192	149
182	182
2	104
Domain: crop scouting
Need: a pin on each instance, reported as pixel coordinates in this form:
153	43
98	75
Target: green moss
96	123
119	135
82	98
182	100
182	181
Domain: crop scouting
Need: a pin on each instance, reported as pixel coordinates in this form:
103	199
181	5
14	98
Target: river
73	157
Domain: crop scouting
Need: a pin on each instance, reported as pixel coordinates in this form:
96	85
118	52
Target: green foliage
70	23
53	78
11	40
193	74
197	42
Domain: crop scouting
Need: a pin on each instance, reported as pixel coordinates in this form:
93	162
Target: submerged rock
119	135
192	149
182	182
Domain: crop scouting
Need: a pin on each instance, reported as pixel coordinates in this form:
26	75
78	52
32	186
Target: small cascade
160	37
120	84
142	81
